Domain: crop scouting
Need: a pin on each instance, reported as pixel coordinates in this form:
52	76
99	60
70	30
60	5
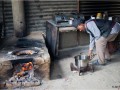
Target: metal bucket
81	60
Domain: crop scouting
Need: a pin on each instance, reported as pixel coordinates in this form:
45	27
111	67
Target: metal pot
81	60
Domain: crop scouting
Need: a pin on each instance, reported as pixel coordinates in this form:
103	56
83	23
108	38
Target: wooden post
19	18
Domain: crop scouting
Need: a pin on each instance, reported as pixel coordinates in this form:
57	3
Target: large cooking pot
82	60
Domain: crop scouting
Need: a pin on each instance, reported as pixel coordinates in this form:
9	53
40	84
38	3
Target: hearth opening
23	74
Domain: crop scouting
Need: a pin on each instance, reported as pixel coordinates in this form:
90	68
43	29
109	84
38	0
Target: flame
25	67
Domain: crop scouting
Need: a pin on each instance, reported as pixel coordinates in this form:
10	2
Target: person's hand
90	54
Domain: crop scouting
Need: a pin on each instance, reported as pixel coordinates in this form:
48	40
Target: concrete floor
62	78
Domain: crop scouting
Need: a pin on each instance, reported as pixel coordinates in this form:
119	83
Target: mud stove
24	62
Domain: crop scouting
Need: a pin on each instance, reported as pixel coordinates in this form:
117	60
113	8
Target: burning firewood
23	76
22	69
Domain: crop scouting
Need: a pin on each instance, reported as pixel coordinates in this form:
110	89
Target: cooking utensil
82	60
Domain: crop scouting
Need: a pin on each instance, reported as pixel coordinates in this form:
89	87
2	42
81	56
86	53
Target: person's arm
91	46
92	43
92	28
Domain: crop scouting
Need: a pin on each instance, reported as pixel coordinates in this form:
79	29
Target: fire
27	66
23	76
23	69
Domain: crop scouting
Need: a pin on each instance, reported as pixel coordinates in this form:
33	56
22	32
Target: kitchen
66	44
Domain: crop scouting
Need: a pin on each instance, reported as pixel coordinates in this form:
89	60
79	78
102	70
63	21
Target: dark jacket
105	26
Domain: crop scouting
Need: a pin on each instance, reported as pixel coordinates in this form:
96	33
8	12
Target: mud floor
62	78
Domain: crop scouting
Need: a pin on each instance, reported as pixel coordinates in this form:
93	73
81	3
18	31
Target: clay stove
23	64
14	57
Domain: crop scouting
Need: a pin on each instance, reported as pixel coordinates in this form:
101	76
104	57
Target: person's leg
107	54
100	49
